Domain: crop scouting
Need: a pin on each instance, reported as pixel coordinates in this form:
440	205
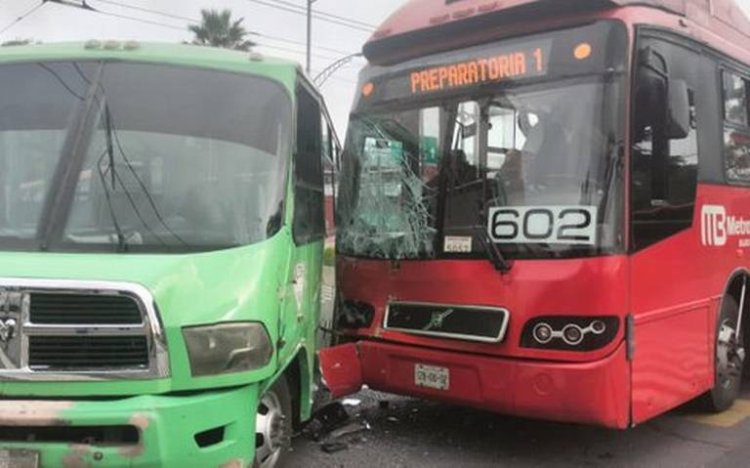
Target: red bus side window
736	128
664	156
735	99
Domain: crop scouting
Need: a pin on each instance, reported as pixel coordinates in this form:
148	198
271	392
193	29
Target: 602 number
549	225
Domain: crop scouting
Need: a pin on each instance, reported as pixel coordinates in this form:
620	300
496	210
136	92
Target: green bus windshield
139	157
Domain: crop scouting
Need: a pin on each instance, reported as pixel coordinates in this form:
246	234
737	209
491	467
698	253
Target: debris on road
332	416
333	447
332	423
325	420
349	429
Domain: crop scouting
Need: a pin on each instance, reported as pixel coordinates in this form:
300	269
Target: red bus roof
419	22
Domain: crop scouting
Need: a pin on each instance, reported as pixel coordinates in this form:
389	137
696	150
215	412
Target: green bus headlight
227	348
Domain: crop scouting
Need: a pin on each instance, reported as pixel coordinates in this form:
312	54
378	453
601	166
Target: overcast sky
282	32
55	22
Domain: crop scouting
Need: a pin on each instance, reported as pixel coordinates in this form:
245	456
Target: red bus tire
729	363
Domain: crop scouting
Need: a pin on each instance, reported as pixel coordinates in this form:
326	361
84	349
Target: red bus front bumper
593	393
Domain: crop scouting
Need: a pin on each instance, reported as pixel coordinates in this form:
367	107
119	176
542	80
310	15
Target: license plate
432	377
14	458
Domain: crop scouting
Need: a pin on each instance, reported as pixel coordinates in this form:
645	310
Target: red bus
544	208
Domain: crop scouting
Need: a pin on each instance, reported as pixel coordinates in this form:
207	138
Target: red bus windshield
512	146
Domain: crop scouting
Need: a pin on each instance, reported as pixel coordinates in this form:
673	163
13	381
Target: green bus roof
163	53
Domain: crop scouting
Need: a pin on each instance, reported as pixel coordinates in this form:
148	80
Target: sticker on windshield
457	244
571	225
380	152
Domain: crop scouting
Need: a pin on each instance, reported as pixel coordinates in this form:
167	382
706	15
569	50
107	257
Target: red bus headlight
542	333
570	333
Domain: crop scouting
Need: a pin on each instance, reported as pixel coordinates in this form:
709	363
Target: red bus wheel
729	359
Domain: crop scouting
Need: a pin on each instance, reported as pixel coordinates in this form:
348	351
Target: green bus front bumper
167	427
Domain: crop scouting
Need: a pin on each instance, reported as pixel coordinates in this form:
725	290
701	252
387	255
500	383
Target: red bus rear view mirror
679	110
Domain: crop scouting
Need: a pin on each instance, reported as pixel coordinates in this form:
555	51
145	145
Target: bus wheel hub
269	430
729	355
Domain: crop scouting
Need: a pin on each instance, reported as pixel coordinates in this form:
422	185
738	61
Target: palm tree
218	30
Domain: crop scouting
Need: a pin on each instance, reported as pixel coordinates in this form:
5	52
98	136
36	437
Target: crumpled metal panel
341	369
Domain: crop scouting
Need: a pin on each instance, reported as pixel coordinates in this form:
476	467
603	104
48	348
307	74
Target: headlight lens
570	333
227	348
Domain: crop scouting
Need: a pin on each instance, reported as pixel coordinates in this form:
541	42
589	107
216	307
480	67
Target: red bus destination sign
594	50
490	67
460	70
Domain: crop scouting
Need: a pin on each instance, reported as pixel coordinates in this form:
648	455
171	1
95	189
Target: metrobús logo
717	227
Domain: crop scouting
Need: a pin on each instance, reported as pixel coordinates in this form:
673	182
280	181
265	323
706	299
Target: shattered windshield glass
437	167
388	186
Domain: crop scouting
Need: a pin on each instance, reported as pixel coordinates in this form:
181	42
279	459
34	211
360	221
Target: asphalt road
415	433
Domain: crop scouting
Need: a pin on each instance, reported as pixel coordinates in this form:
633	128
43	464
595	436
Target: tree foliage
218	29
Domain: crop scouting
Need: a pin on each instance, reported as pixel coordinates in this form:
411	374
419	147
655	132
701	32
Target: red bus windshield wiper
493	252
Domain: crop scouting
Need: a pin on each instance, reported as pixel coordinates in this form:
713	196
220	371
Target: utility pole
309	35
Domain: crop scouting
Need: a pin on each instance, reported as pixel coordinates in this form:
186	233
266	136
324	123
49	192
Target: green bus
161	239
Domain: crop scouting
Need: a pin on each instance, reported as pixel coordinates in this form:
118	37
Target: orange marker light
368	89
582	51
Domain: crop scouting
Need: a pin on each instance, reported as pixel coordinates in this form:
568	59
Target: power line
148	10
300	43
22	17
196	21
294	51
140	20
165	25
87	7
282	7
259	44
156	23
329	15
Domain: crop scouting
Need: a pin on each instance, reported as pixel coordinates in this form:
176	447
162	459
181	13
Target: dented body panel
534	389
167	426
503	377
